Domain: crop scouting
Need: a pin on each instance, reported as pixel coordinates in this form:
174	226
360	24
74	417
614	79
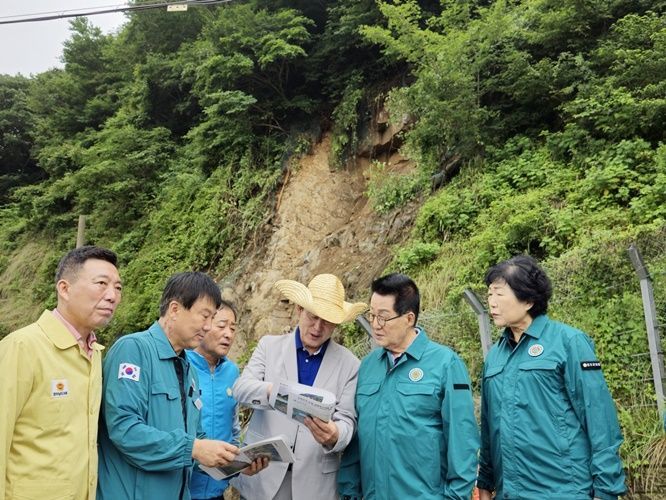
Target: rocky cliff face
323	223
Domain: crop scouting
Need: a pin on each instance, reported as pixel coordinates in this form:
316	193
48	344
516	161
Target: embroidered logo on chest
535	350
415	374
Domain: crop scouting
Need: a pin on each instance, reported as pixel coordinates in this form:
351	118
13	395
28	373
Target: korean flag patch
130	371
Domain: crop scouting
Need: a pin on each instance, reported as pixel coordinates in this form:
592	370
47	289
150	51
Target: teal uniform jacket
417	435
549	427
145	444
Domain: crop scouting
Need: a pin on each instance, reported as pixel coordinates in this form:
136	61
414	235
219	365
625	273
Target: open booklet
298	401
275	449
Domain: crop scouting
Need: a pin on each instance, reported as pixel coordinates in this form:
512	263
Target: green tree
17	166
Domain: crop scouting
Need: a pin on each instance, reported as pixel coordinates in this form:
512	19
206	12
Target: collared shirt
86	344
308	364
548	423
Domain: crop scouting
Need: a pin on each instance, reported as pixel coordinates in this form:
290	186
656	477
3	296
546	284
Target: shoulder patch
130	371
590	365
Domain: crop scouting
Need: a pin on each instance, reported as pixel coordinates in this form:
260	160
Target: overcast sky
29	48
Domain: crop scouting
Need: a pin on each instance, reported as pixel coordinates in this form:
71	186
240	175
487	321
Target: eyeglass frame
314	318
381	320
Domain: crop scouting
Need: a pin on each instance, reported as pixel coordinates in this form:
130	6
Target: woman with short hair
549	426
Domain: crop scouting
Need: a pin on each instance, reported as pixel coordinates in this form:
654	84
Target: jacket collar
417	347
164	347
535	329
56	331
201	362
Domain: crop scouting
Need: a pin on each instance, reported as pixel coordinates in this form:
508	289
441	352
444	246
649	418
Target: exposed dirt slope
323	224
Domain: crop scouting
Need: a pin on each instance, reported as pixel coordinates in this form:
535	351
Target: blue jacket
417	435
219	416
549	427
145	445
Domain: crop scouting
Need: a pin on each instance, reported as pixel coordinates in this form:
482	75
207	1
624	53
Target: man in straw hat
308	356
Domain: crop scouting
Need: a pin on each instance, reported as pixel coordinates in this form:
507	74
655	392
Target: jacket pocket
491	371
165	411
418	401
44	490
170	393
538	365
367	389
540	378
414	388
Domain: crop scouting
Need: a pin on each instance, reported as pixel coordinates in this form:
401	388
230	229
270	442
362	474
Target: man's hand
212	453
325	433
258	465
485	494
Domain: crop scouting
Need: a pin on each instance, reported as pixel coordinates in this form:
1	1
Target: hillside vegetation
541	120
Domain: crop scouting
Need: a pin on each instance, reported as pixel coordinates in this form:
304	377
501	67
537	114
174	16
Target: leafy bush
388	190
415	255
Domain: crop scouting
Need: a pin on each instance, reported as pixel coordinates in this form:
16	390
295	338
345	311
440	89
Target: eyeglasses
314	318
381	320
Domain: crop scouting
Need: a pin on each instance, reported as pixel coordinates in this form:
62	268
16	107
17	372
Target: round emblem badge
415	374
229	392
535	350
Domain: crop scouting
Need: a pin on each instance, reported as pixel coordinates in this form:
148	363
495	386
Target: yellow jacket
49	406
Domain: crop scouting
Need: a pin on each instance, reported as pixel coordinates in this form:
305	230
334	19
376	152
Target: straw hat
324	296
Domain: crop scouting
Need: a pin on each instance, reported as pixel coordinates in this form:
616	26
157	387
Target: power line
63	14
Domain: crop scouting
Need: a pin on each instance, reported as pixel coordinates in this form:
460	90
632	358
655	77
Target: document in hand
275	449
298	401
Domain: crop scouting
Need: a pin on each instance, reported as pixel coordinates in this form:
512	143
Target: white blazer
314	472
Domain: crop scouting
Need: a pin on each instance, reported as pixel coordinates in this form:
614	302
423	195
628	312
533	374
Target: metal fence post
80	232
482	316
363	322
649	309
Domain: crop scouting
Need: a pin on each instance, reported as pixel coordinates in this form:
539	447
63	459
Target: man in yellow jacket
51	385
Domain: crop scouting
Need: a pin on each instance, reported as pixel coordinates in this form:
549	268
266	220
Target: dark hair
72	261
187	288
527	279
404	291
225	304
